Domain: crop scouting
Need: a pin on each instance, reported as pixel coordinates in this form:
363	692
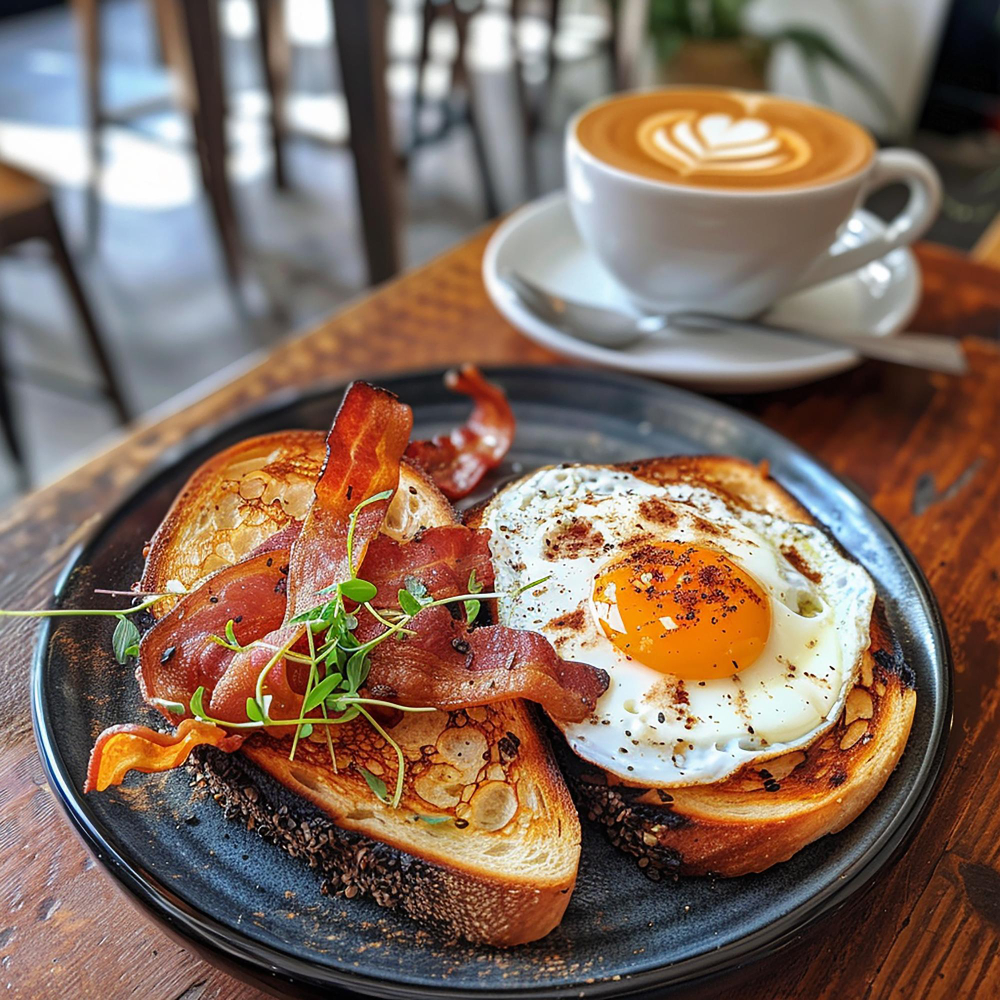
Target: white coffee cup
734	251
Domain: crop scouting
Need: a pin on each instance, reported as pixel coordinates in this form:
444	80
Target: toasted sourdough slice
760	815
485	843
254	490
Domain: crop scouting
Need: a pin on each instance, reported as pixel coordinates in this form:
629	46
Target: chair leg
524	106
428	15
89	24
161	30
555	7
614	67
360	36
8	425
461	75
53	235
203	42
274	54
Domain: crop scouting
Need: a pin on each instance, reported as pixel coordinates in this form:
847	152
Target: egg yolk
683	610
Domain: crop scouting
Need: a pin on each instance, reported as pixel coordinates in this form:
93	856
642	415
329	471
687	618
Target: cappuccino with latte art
724	201
724	139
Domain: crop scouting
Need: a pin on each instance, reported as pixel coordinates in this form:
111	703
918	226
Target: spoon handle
918	350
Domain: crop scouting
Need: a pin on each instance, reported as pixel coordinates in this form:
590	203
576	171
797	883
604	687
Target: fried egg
730	635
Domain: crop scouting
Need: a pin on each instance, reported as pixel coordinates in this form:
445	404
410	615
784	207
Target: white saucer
541	242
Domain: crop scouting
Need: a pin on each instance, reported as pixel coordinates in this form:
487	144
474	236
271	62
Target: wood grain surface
923	447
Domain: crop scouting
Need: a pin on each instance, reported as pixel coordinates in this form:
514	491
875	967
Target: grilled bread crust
762	814
252	491
485	843
495	907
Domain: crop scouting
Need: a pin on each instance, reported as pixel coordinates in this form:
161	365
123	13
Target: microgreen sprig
124	641
338	665
83	612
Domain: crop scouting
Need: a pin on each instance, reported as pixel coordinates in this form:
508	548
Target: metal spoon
614	329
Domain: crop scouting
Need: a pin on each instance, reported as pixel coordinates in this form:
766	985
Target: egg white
649	727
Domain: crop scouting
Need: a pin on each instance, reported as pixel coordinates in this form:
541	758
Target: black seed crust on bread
631	826
351	865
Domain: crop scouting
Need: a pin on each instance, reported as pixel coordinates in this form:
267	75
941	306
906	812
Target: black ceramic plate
238	898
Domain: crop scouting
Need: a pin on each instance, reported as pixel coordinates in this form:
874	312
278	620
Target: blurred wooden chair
188	36
531	112
461	82
27	213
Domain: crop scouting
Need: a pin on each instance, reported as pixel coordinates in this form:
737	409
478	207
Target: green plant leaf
126	637
353	523
358	590
133	650
357	671
231	632
472	610
305	729
348	712
254	713
321	692
475	587
410	605
375	783
196	702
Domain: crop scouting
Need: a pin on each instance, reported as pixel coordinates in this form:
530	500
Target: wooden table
923	447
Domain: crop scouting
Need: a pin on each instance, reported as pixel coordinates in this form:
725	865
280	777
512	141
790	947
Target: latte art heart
718	143
732	140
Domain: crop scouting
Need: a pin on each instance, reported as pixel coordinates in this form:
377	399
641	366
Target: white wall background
895	40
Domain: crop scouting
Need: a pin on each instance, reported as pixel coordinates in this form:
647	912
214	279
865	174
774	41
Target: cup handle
917	173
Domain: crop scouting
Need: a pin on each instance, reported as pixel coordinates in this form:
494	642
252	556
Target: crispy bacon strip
442	559
444	664
459	460
364	449
121	749
176	655
449	665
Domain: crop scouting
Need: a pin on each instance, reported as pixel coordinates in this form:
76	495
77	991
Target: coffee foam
730	139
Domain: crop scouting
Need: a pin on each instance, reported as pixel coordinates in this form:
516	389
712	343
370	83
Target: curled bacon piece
459	460
449	665
442	663
442	559
176	655
364	449
121	749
